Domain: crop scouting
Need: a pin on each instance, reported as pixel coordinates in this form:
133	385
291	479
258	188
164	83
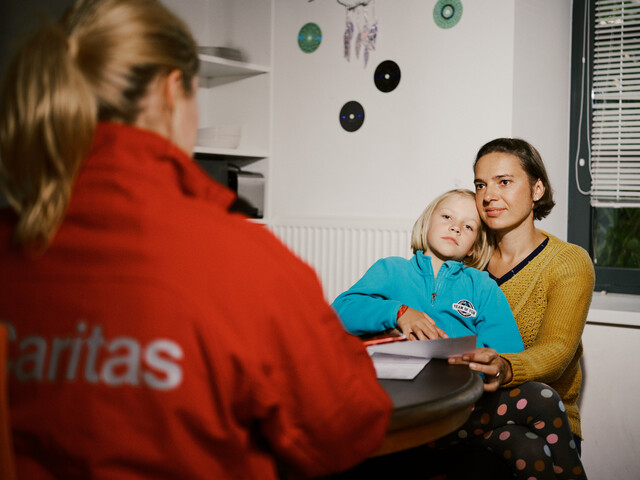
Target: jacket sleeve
367	307
571	282
496	326
321	407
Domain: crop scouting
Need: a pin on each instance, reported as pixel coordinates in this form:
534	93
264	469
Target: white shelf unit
235	93
242	155
215	67
218	71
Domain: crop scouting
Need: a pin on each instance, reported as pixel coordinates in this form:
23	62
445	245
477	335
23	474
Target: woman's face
504	195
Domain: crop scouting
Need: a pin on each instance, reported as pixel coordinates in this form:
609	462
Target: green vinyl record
447	13
309	37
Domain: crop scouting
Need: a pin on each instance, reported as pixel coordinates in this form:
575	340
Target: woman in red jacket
152	333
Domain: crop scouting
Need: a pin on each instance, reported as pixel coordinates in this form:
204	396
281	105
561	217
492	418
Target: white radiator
341	254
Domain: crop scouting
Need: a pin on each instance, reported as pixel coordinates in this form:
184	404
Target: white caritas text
86	355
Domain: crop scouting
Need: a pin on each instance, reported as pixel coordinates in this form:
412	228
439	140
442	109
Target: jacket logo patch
464	308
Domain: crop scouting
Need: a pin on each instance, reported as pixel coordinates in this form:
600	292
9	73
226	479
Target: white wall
491	75
503	70
610	388
541	92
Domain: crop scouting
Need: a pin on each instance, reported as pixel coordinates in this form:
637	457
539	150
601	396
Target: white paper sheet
398	367
441	348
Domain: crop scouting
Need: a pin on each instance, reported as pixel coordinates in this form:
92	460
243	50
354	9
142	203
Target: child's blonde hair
481	247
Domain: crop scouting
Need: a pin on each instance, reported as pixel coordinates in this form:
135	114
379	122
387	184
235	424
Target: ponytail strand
47	121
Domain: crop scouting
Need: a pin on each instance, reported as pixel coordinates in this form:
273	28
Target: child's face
453	228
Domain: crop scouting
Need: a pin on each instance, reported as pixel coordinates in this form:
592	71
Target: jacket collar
422	263
152	152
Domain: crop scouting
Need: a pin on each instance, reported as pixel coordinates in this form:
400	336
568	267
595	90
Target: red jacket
160	336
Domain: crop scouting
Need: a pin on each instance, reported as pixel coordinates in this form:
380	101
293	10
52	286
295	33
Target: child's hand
417	325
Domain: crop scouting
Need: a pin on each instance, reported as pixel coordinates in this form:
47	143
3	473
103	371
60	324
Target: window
604	190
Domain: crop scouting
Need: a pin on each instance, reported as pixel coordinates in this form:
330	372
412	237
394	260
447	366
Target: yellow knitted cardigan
550	299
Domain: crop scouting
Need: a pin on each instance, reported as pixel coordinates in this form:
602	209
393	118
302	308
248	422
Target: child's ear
471	252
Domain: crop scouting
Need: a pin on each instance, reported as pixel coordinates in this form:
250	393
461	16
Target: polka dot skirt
528	427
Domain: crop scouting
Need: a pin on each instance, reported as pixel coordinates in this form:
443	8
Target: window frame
580	212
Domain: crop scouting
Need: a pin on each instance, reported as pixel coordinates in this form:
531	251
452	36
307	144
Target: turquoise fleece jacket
461	300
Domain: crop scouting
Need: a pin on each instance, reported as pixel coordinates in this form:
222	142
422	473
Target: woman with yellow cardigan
548	282
532	425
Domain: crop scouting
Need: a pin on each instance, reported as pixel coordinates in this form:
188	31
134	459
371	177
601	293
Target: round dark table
430	406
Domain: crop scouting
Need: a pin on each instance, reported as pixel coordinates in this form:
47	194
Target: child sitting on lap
437	293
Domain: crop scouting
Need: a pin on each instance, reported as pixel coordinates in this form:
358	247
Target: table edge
466	395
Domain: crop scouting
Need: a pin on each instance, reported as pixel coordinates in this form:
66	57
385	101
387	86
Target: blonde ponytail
47	122
94	65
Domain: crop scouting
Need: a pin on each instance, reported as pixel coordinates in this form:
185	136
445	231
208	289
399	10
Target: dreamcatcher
361	28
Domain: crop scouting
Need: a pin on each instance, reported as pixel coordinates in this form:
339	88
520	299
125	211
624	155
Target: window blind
615	128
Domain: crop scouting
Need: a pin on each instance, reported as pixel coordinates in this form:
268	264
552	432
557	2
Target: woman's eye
505	182
479	186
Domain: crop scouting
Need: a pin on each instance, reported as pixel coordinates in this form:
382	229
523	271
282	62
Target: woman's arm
487	361
568	300
309	386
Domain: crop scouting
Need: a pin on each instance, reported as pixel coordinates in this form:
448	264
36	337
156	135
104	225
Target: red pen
388	339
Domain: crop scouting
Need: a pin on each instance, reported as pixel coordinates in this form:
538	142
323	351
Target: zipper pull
433	297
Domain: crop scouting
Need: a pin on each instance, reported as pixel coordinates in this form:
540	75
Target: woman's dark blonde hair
481	247
95	64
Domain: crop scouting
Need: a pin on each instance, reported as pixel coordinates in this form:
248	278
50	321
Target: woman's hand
417	325
496	370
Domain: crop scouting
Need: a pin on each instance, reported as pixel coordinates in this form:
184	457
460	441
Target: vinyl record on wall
446	13
351	116
387	76
309	37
